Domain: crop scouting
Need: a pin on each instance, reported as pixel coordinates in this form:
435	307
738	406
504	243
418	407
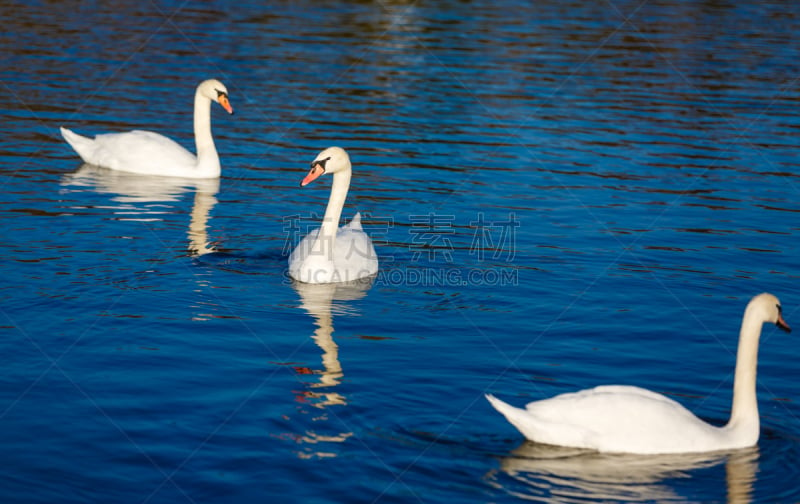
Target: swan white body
625	419
328	254
149	153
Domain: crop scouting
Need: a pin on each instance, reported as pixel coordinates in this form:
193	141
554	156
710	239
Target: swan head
768	307
332	160
215	91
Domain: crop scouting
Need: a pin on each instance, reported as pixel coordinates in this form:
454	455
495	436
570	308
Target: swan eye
220	94
320	162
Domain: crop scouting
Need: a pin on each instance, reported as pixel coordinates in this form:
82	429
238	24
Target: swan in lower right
626	419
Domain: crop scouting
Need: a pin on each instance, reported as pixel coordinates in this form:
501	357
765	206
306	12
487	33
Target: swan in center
330	254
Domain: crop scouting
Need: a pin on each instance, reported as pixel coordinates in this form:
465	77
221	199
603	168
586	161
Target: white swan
626	419
328	255
149	153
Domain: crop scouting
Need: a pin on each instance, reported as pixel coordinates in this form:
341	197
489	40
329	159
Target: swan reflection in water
576	475
318	301
323	302
132	189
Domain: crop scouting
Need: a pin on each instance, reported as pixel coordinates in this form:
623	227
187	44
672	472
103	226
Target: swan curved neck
333	212
744	410
207	157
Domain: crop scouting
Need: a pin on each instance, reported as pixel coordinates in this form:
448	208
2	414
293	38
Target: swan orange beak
313	174
782	324
226	104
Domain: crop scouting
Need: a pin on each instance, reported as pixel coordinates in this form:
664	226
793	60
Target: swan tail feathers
80	143
355	222
517	417
501	406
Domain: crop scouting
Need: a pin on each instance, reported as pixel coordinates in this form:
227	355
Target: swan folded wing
620	419
540	429
354	257
302	250
354	254
309	263
140	151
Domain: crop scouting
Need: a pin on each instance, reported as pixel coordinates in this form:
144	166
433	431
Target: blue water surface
561	194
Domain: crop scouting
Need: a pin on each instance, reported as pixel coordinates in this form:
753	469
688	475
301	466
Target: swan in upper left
149	153
328	254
